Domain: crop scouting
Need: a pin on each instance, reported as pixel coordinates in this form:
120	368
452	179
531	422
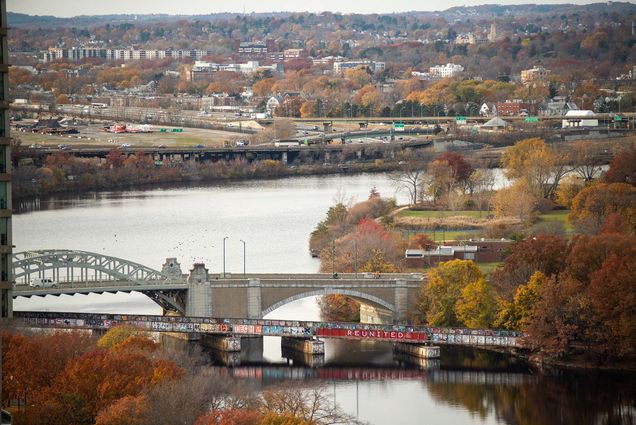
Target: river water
274	218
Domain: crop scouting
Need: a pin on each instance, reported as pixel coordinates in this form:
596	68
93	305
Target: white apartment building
79	53
376	67
449	70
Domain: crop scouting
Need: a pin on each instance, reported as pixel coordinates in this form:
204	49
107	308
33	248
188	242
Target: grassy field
449	235
558	216
442	214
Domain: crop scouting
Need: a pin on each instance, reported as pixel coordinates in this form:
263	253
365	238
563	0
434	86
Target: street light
333	259
355	250
243	258
224	239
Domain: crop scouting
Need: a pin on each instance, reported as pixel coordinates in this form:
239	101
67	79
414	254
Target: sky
67	8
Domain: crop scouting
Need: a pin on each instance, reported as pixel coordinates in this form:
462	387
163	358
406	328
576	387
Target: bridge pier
308	352
400	297
424	356
303	345
254	294
222	342
199	300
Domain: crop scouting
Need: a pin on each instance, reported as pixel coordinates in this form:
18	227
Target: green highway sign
460	118
398	126
618	118
532	119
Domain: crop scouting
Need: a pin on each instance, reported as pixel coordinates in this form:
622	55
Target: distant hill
454	13
490	10
22	20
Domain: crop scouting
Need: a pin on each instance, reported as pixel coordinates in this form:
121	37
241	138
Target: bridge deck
262	327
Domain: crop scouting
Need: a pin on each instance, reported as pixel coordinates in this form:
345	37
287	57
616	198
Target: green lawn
558	216
442	214
448	235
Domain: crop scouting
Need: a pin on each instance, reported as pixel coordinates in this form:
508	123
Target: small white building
579	118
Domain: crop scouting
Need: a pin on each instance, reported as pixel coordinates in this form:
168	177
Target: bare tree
408	179
311	405
585	160
481	183
183	400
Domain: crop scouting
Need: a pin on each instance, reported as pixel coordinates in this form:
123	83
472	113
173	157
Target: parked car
42	282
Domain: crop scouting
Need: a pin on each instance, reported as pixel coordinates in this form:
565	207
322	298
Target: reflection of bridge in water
330	373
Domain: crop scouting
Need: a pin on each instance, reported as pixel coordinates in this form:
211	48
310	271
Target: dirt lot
95	136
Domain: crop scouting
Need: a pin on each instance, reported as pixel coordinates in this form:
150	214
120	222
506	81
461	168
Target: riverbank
31	183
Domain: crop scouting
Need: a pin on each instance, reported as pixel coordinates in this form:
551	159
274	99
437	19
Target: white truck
42	282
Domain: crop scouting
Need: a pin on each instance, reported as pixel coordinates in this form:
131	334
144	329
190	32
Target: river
274	218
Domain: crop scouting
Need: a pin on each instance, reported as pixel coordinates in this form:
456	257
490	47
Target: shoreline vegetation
64	173
566	276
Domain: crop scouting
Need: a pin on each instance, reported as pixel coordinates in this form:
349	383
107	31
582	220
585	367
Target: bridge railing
266	327
95	284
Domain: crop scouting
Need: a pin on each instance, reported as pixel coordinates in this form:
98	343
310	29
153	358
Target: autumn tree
622	169
478	305
593	204
449	174
541	253
568	189
613	299
516	201
339	308
263	87
441	292
517	314
128	410
536	164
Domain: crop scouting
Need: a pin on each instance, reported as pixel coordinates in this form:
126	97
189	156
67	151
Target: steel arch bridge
68	266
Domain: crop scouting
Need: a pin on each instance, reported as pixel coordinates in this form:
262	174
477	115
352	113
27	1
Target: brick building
490	251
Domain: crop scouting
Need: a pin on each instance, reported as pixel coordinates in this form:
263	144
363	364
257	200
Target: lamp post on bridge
224	239
333	258
355	251
243	258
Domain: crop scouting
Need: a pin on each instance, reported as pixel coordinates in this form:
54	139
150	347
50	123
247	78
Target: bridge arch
65	264
331	291
69	266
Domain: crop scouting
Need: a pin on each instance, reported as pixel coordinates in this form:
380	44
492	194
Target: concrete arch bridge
200	293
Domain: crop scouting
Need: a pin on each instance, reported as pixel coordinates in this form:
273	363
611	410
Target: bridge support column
254	310
303	345
424	356
222	342
400	300
283	158
199	301
359	154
